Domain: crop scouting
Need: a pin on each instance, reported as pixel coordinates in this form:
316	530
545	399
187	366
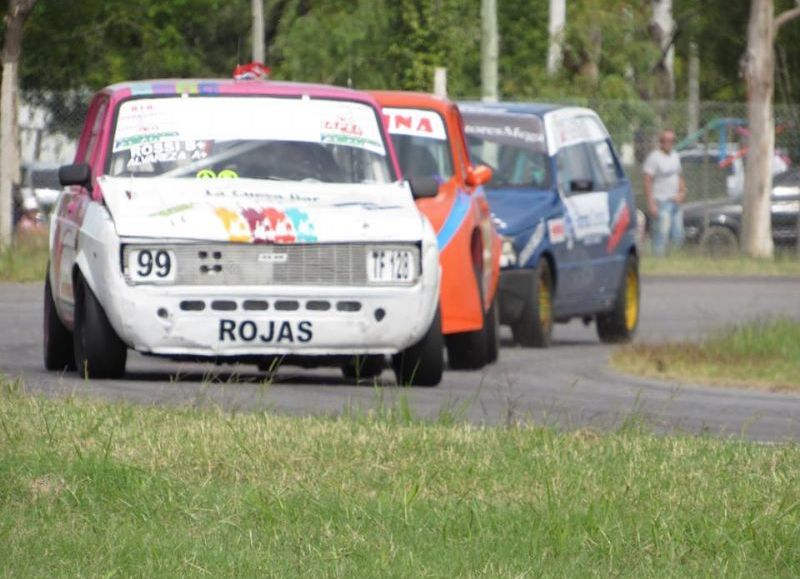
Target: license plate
151	265
390	266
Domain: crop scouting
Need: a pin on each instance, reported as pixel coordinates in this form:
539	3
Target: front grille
333	264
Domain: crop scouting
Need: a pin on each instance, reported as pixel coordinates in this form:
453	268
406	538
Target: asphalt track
568	386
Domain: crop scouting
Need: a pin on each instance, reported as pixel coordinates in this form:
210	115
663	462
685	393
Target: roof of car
230	87
395	98
538	109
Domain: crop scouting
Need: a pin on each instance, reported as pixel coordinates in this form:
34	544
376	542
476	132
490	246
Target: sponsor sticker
556	230
266	331
415	122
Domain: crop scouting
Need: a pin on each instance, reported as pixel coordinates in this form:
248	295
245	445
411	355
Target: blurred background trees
608	50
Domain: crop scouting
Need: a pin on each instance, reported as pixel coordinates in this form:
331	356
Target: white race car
240	221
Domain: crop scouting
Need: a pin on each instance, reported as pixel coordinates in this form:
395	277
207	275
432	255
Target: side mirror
581	185
80	174
479	175
422	187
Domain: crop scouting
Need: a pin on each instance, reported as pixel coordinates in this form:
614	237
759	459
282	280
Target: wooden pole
489	50
258	30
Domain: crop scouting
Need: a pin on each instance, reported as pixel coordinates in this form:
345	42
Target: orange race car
428	135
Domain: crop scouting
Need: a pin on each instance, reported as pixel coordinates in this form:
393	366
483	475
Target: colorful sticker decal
556	230
534	242
622	219
458	213
303	227
589	215
415	122
236	225
170	211
267	225
210	174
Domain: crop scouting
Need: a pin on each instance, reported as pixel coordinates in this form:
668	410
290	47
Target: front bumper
259	321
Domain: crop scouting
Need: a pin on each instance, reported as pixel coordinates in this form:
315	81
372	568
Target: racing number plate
151	265
390	266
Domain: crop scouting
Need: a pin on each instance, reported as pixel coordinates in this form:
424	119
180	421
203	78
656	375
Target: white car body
227	220
182	215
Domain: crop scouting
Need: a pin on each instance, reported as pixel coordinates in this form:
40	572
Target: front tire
99	352
422	364
534	327
619	325
492	324
58	347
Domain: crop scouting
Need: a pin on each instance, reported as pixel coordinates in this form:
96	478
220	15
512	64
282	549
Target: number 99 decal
151	265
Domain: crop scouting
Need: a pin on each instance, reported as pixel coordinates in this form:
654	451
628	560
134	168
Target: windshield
420	141
288	139
512	145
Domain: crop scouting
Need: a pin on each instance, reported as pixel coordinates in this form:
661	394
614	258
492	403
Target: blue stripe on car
458	212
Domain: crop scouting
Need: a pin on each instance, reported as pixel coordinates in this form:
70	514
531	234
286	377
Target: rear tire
58	346
422	364
534	327
99	352
619	325
719	241
360	368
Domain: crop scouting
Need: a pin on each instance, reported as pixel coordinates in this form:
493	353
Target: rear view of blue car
564	207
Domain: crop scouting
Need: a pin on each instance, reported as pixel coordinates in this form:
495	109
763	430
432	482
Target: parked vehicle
564	207
428	136
715	225
240	221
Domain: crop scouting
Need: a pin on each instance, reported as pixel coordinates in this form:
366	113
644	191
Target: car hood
256	211
515	211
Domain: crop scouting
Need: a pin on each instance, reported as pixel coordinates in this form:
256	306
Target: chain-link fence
712	140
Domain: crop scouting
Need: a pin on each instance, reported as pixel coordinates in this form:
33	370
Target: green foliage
396	44
91	43
764	355
111	490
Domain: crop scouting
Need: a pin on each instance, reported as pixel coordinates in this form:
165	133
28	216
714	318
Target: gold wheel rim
545	302
631	299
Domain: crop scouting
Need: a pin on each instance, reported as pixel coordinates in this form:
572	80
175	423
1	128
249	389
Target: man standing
666	191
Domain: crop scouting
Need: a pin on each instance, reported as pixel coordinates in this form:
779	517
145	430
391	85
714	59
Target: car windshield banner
516	130
199	119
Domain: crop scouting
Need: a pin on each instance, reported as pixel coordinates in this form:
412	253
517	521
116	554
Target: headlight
508	256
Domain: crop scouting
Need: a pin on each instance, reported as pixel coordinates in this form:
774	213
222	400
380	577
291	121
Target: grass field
26	260
91	489
694	263
763	355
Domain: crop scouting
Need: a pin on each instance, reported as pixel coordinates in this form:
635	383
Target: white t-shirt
665	169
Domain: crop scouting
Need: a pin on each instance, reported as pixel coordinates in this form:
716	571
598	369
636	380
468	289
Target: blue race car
564	208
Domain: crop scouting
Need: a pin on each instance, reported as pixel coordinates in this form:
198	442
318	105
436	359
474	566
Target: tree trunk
661	29
555	28
489	50
18	12
759	70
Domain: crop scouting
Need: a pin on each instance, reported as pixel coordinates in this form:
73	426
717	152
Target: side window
575	168
605	164
94	125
